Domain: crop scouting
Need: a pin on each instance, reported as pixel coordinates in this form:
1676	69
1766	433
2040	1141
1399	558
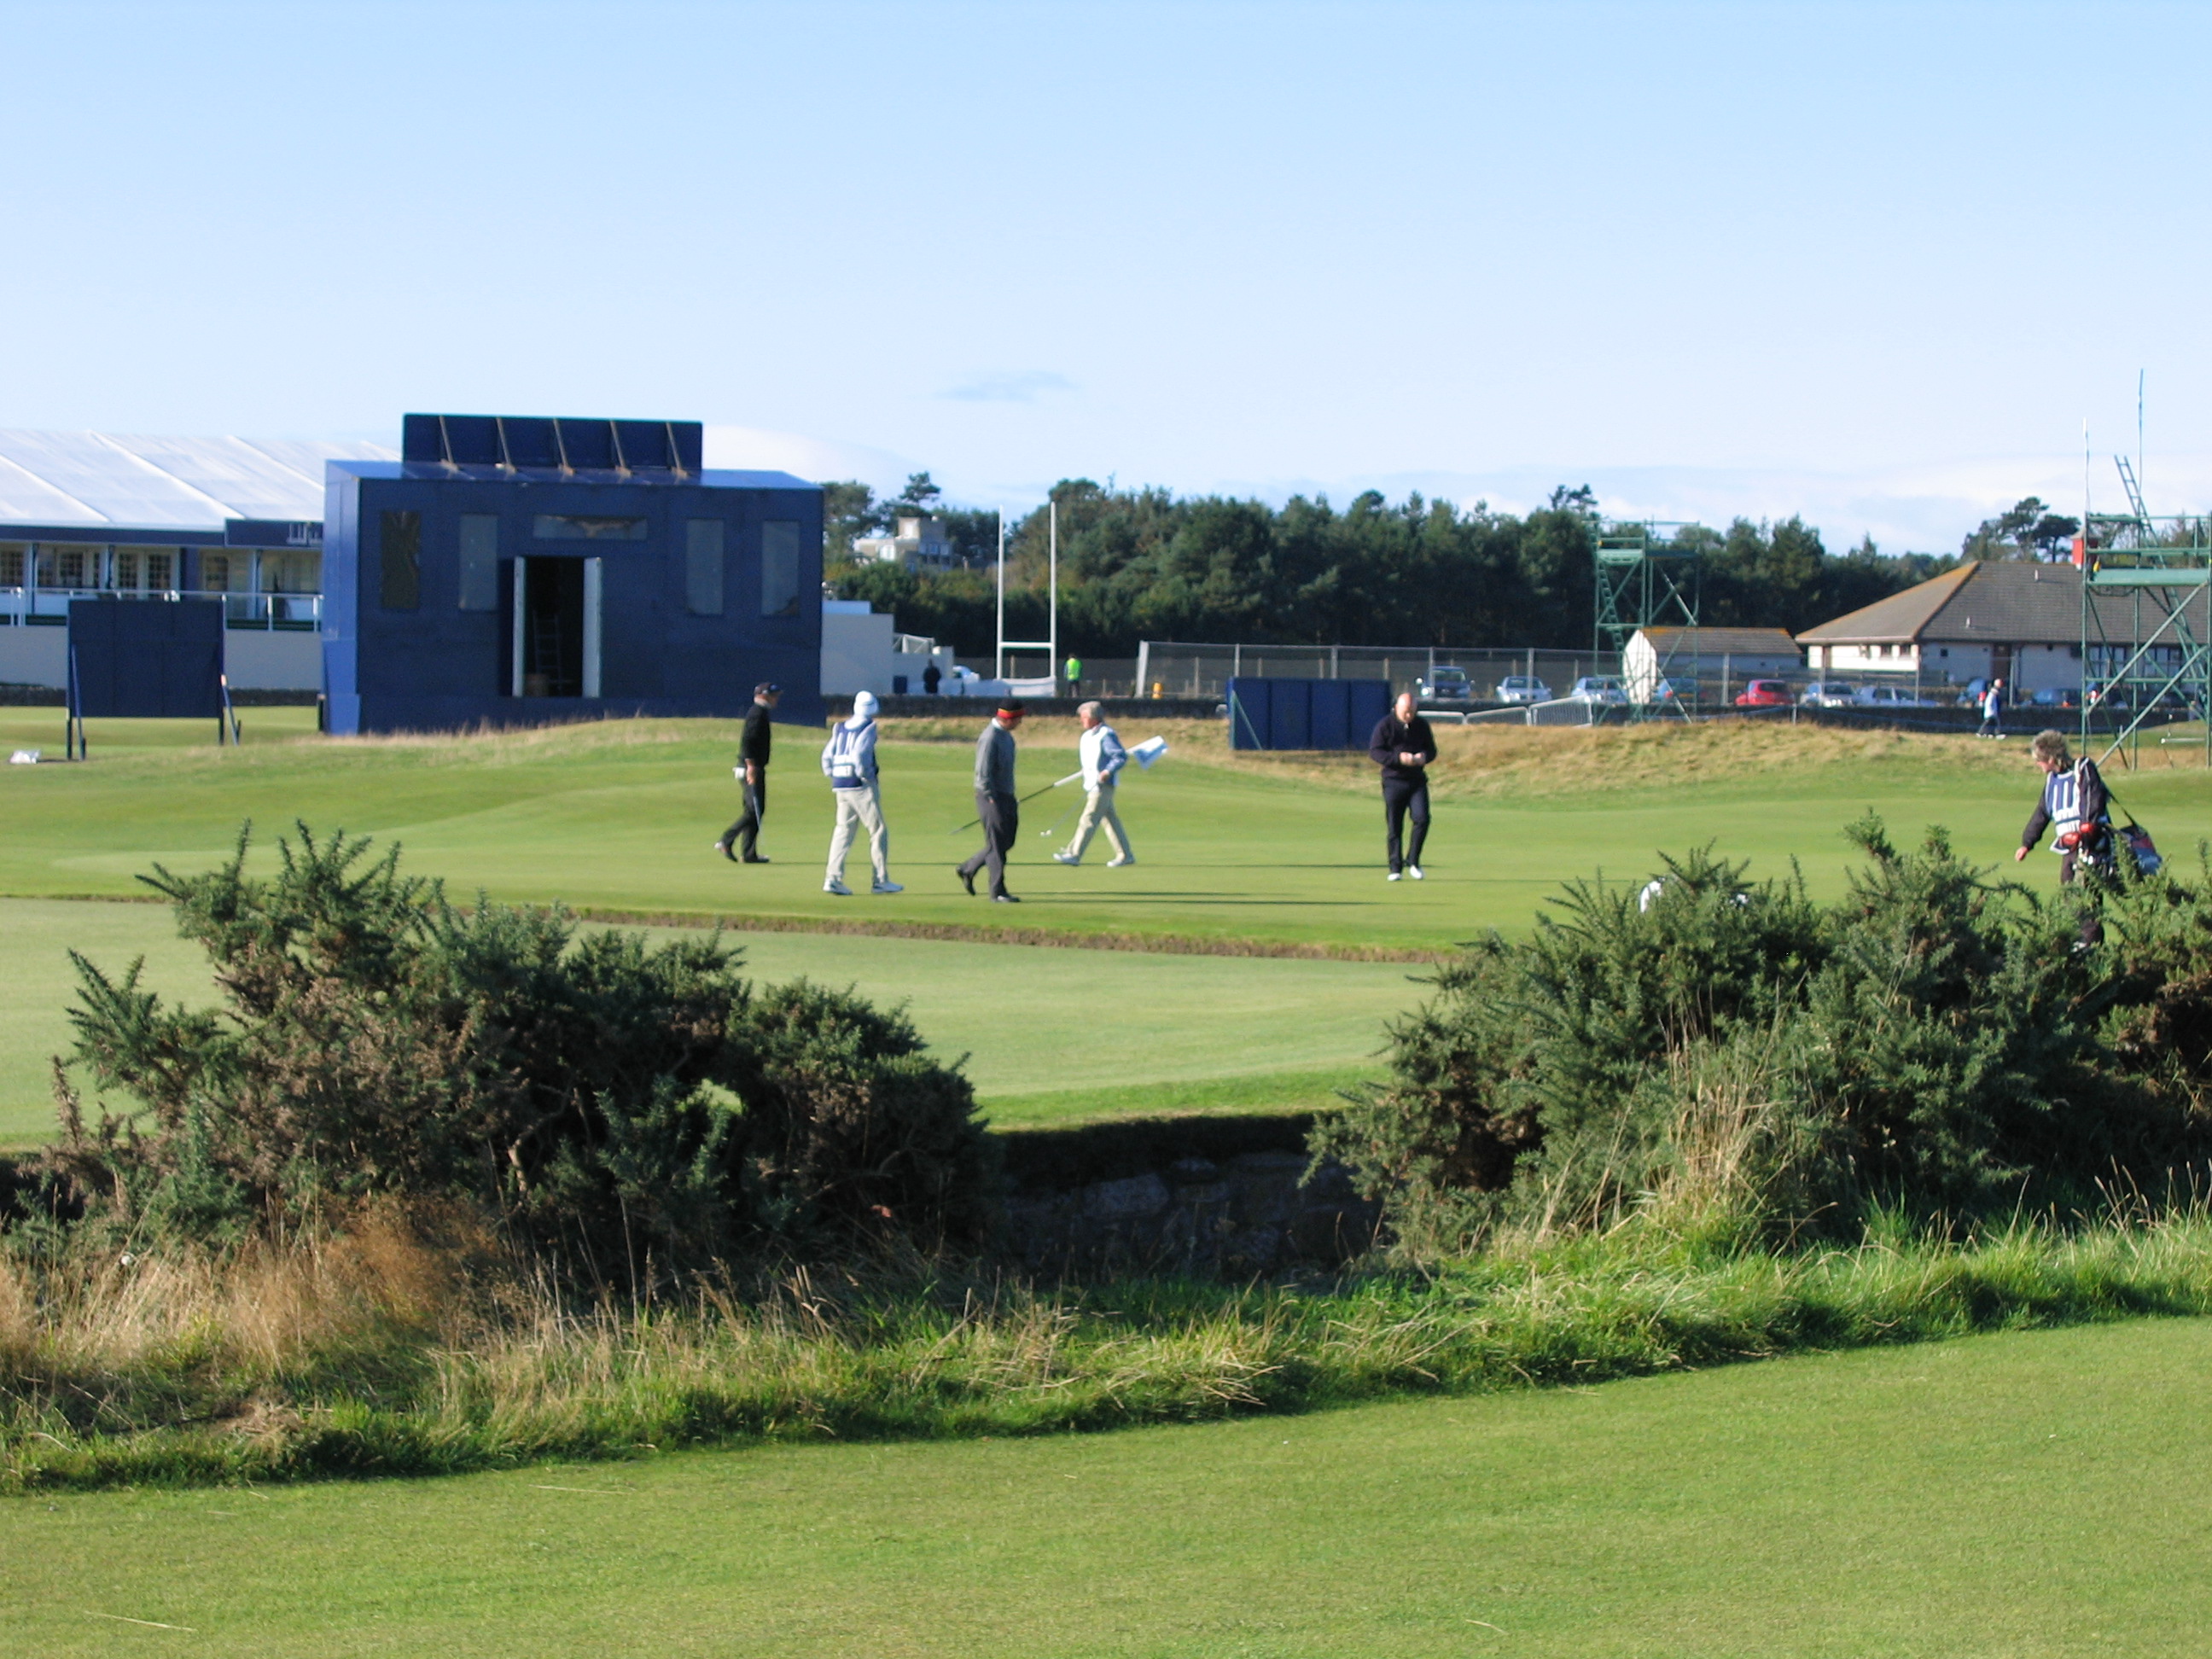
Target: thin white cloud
1015	387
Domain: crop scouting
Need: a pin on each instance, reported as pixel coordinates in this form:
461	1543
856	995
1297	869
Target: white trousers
1099	814
861	808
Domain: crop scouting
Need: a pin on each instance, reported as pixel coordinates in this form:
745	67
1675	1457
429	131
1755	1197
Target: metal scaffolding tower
2146	628
1647	577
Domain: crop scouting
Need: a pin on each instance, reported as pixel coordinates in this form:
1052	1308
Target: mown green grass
2019	1495
620	817
1053	1035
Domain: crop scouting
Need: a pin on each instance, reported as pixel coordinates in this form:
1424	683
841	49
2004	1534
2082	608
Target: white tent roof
102	479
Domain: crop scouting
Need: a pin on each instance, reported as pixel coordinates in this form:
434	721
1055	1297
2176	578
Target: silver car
1887	696
1522	687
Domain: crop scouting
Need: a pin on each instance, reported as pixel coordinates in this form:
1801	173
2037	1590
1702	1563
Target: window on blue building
479	585
703	567
400	549
780	568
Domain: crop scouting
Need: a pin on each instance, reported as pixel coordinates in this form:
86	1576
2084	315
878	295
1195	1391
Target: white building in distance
918	544
2010	617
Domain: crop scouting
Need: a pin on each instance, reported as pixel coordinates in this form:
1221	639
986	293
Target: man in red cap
995	804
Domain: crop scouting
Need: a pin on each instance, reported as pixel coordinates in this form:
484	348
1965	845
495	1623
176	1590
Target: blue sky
1875	263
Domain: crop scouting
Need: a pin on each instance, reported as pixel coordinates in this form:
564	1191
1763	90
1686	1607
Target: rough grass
404	1346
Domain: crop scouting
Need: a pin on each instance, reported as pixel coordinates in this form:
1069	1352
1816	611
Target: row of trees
1147	564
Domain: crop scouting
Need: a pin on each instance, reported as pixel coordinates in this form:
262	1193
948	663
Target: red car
1764	693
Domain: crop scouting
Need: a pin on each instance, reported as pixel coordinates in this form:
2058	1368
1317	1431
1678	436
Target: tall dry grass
406	1344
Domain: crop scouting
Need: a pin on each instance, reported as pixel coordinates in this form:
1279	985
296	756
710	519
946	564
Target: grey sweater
995	761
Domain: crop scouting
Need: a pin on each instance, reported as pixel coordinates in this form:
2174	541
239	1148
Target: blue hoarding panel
147	659
1251	714
1366	702
1304	714
1329	725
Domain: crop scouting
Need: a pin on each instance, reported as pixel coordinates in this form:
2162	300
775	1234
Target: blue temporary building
520	571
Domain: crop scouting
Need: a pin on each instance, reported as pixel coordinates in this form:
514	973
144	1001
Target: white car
1522	687
1887	696
1599	688
1827	694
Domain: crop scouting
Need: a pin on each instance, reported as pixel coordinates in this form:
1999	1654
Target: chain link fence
1173	668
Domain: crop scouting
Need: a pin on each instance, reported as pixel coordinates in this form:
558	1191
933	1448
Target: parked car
1666	690
1600	688
1827	694
2056	696
1522	687
1764	693
1445	686
1888	696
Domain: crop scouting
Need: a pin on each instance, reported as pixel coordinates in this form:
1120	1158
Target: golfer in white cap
1103	757
849	761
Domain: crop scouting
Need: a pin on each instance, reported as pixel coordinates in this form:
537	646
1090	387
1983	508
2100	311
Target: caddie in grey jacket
995	804
848	761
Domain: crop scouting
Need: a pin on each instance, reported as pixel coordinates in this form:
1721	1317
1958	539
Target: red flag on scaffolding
2081	549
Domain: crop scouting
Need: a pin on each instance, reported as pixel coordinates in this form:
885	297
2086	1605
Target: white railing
273	611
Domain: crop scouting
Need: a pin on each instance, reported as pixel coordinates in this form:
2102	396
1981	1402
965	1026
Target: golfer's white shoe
833	886
1414	871
1116	864
1393	875
1064	856
887	887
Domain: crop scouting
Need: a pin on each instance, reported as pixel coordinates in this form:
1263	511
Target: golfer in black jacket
752	773
1403	746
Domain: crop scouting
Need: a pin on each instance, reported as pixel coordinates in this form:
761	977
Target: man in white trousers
849	760
1103	757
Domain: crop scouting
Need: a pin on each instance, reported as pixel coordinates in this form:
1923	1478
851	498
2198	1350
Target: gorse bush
1931	1039
619	1100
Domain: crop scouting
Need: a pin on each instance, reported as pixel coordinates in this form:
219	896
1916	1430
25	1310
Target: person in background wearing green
1074	677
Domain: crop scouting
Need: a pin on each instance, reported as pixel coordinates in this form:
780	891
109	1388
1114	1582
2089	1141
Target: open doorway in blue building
557	626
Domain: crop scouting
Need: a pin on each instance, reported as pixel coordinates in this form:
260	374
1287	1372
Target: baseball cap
765	689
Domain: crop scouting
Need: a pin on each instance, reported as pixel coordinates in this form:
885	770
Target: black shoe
754	858
723	848
967	879
1004	898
